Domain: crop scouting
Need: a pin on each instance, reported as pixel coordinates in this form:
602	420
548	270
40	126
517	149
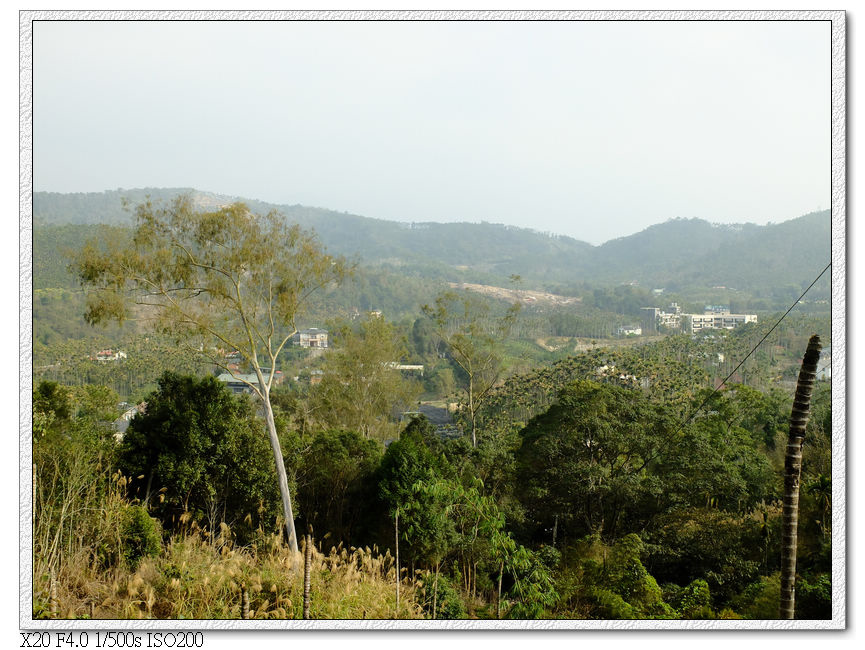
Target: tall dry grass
196	578
89	561
78	508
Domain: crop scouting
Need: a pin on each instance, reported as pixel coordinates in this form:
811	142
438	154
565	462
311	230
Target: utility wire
754	349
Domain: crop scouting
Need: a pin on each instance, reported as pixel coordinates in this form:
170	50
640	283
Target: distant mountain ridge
673	254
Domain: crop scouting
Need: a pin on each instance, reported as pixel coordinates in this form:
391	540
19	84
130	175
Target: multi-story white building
693	323
313	337
713	317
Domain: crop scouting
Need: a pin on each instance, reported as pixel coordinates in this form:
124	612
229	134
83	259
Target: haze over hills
676	254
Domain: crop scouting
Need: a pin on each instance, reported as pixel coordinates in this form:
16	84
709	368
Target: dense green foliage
198	450
81	515
140	536
587	462
603	506
336	490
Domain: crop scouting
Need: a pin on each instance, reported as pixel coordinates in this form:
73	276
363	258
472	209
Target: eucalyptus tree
221	281
474	337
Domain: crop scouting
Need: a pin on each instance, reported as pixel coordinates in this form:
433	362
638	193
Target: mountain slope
683	252
676	254
490	250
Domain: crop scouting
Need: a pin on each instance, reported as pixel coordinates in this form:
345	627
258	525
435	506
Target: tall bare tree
220	281
792	472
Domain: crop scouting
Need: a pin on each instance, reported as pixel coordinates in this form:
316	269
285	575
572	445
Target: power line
754	349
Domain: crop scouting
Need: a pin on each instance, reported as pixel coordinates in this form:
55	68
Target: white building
313	337
121	424
713	317
693	323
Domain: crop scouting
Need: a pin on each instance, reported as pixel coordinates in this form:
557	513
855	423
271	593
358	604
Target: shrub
141	536
610	605
533	590
694	601
448	603
760	599
616	570
814	597
550	556
726	549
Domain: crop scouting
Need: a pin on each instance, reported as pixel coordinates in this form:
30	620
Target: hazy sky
590	129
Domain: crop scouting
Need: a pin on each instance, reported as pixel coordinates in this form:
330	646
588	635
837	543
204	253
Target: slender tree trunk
435	590
472	411
499	598
792	472
288	513
396	539
307	570
244	602
474	580
53	600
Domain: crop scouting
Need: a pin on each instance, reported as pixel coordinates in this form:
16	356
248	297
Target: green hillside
486	251
773	262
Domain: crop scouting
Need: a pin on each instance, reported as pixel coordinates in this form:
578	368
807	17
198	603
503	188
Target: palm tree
792	472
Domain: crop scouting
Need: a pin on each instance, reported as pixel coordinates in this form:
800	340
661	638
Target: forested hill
676	254
693	252
486	248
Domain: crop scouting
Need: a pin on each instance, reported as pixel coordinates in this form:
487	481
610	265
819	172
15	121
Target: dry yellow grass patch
195	578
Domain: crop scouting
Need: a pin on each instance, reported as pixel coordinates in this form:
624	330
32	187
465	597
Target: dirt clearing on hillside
524	296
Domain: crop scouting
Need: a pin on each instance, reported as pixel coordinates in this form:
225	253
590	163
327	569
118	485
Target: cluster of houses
314	339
